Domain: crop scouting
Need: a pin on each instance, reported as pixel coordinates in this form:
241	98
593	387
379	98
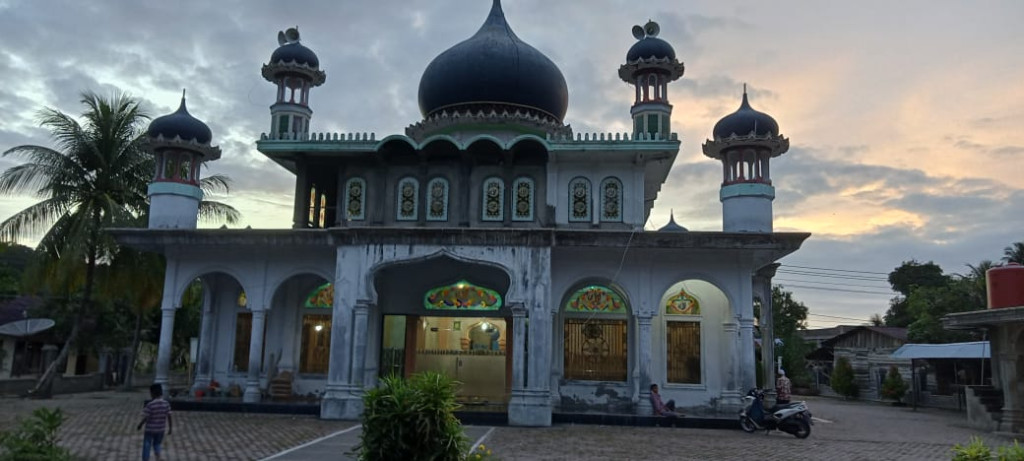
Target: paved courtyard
101	426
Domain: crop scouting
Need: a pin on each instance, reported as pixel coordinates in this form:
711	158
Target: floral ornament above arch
596	298
682	303
322	297
462	295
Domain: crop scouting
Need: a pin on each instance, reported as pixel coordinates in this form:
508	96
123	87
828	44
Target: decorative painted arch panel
596	299
462	295
322	297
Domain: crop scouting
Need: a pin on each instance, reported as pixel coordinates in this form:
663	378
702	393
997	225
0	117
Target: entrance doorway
470	350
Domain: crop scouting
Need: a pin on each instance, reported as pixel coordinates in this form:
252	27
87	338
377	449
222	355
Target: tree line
927	293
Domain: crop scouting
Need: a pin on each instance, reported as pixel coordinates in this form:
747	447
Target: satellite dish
27	327
652	28
638	32
280	38
292	34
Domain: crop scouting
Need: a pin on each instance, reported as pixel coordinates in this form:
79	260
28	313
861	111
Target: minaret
745	141
181	144
650	65
294	69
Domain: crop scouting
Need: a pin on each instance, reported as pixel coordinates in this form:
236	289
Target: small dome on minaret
746	121
182	125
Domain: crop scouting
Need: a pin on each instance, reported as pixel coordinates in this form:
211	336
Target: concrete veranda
101	426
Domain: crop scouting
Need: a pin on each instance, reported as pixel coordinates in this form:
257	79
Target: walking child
156	415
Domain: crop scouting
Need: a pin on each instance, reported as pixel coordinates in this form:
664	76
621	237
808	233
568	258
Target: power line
835	270
834	276
838	317
825	283
840	289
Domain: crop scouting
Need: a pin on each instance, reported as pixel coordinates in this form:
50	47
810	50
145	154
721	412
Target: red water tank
1005	286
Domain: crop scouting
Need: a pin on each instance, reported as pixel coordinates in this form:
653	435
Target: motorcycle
792	418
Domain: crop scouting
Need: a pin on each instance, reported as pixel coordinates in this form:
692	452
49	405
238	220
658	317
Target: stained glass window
682	303
579	200
462	295
355	201
596	298
522	190
322	297
611	200
408	199
437	200
493	200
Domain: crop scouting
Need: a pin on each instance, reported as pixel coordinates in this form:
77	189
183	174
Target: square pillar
163	355
531	405
204	355
644	352
253	393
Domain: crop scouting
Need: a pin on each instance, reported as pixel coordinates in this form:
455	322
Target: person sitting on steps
667	409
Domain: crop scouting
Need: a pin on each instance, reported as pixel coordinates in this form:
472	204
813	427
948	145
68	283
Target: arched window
493	206
523	193
682	335
355	199
611	200
315	348
579	200
437	200
408	199
596	327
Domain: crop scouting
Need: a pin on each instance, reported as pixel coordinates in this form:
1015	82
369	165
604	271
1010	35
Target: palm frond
217	211
33	220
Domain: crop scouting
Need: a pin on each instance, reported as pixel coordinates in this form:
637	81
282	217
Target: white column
747	377
763	287
359	341
252	381
205	353
163	355
518	347
729	330
644	353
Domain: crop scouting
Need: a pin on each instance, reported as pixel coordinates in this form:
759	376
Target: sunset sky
904	117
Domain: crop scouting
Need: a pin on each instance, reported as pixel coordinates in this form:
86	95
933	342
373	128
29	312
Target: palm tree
1014	253
95	178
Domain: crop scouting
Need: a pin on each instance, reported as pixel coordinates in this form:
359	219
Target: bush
976	450
35	439
843	380
894	387
412	420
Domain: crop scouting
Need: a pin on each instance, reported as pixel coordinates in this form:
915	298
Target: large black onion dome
746	121
650	47
493	67
180	124
295	52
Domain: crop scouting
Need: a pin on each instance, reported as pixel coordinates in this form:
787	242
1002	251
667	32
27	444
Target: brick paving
856	431
101	426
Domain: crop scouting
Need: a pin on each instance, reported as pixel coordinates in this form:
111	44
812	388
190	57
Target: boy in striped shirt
156	415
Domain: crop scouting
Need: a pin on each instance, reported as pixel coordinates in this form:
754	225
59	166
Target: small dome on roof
746	121
672	226
180	124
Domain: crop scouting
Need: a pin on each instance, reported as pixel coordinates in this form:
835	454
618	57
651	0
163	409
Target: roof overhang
970	350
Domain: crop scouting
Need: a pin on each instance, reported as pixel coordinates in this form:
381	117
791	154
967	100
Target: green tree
95	178
929	304
789	317
904	279
894	387
843	380
1014	253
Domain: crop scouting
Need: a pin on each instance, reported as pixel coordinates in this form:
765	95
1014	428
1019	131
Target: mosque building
489	242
